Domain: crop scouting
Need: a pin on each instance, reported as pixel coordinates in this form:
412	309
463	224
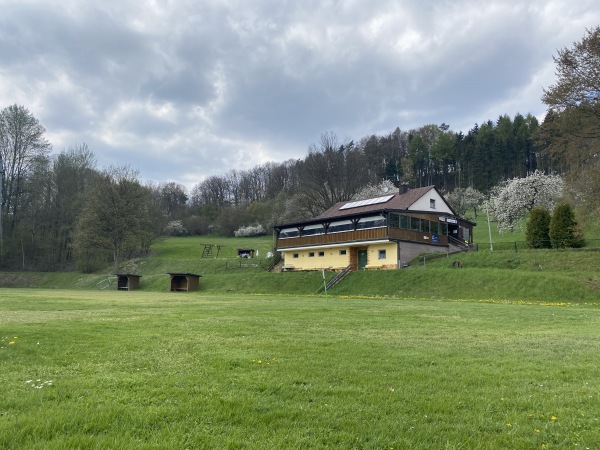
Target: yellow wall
391	256
330	260
333	260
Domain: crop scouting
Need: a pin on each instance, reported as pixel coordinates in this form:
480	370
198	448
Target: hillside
502	275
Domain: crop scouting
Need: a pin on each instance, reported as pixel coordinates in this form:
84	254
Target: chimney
404	188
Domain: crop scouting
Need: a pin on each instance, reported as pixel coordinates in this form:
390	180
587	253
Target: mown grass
90	369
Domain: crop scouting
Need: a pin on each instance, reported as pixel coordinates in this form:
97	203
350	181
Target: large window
289	233
370	222
311	230
343	225
381	254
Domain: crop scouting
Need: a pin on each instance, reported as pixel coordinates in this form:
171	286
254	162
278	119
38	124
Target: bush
197	225
256	230
564	231
538	228
176	228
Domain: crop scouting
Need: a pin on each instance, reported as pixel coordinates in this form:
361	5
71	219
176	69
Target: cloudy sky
185	89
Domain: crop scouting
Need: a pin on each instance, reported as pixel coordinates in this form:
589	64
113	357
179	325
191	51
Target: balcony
371	234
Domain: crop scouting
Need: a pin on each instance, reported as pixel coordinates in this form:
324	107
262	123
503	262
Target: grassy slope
543	275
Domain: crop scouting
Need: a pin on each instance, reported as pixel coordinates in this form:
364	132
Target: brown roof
397	202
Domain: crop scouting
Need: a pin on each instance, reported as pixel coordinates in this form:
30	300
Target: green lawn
94	369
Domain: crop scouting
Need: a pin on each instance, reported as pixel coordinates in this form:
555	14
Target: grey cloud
212	86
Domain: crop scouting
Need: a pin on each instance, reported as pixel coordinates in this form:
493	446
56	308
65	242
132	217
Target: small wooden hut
186	282
128	281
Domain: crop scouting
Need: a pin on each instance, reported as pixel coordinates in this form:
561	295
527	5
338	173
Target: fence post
515	246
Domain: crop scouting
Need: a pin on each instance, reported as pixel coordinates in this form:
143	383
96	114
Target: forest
62	212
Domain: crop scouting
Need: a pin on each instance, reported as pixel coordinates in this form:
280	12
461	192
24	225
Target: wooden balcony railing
359	235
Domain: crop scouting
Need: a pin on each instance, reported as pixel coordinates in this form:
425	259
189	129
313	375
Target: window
311	230
370	222
415	224
394	220
381	254
432	203
444	229
344	225
311	254
321	253
404	223
295	255
288	233
342	252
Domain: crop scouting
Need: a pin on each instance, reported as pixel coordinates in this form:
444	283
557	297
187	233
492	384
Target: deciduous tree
511	200
115	218
22	140
463	199
578	86
332	172
375	190
571	129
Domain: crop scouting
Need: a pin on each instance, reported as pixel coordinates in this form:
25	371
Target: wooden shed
128	281
186	282
245	253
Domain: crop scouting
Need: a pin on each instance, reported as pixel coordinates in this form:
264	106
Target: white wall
423	204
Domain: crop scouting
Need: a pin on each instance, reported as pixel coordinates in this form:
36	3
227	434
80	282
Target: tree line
60	211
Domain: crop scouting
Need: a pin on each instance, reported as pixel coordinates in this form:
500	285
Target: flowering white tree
376	190
463	199
511	200
256	230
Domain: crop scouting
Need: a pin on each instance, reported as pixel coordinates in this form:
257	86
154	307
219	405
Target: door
362	259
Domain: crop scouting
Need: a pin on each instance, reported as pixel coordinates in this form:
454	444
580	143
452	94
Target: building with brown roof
377	233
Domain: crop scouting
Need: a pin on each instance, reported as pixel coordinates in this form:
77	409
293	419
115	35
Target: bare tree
21	142
332	172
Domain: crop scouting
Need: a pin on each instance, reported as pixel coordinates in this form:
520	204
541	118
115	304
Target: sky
182	90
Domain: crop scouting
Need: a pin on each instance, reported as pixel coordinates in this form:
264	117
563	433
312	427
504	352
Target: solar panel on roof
369	201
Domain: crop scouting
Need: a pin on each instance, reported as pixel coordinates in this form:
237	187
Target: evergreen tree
538	228
563	228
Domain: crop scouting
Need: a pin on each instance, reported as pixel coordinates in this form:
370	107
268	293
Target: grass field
94	369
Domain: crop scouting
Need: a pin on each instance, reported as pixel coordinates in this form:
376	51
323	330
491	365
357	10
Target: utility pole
489	228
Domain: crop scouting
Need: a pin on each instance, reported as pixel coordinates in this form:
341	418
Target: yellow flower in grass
11	342
536	430
553	418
